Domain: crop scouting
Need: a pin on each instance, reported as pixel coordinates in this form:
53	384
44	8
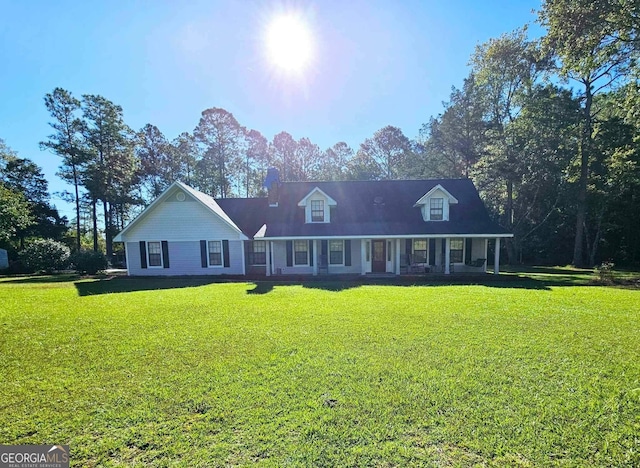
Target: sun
289	43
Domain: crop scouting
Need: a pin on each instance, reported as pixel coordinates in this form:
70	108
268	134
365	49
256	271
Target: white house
315	228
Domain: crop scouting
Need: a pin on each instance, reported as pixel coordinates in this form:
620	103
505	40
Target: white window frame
221	254
161	255
431	200
329	249
295	264
324	214
464	246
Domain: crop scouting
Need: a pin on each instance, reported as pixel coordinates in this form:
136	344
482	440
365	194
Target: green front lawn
182	372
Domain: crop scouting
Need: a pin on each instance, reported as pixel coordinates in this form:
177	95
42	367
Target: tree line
547	129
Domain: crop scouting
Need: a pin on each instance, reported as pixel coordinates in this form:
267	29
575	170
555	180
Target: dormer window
436	209
435	204
317	211
317	206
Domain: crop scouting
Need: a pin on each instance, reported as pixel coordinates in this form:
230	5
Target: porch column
244	263
397	264
267	249
486	254
363	256
447	255
496	258
315	257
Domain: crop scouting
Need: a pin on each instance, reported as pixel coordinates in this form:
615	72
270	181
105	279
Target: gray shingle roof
364	208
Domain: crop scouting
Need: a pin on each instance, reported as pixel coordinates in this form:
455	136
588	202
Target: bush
604	272
45	255
88	261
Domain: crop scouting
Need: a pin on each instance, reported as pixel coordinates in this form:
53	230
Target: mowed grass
183	373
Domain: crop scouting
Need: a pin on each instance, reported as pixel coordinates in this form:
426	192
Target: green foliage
15	213
517	373
45	255
88	261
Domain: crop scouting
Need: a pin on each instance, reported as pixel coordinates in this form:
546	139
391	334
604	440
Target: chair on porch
414	268
477	263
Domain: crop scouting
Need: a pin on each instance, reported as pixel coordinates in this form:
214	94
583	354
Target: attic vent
378	201
180	196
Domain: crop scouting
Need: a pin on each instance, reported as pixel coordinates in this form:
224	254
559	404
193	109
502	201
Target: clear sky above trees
377	63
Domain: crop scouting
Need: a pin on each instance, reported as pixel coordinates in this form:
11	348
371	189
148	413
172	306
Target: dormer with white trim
434	204
317	206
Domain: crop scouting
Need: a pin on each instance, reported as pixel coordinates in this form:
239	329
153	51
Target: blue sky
377	63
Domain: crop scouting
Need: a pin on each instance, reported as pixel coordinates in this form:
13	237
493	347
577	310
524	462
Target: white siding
184	259
426	208
280	261
355	261
180	221
307	208
477	248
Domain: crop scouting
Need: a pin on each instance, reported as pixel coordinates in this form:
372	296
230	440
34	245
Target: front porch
415	256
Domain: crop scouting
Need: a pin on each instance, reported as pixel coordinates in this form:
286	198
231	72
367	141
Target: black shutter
143	254
467	253
165	253
432	251
310	253
203	254
347	252
407	246
289	253
324	247
225	253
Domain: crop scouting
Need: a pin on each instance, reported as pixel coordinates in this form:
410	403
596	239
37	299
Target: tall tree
66	142
155	155
109	175
593	55
26	177
505	69
335	161
255	161
454	141
283	155
390	149
15	213
221	138
307	160
185	151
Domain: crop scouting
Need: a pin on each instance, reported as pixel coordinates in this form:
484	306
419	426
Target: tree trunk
94	215
585	145
107	230
75	184
596	240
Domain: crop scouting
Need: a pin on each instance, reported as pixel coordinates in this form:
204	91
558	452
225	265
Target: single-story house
315	228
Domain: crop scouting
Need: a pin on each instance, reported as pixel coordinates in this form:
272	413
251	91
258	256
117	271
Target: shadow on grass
40	279
543	282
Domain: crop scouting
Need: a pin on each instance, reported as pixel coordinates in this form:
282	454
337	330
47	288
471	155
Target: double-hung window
258	253
215	253
301	252
336	252
436	209
420	251
154	250
456	250
317	211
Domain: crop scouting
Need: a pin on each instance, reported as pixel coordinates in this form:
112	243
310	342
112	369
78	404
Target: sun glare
289	44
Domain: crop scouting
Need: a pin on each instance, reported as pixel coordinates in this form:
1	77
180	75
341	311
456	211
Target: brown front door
379	256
